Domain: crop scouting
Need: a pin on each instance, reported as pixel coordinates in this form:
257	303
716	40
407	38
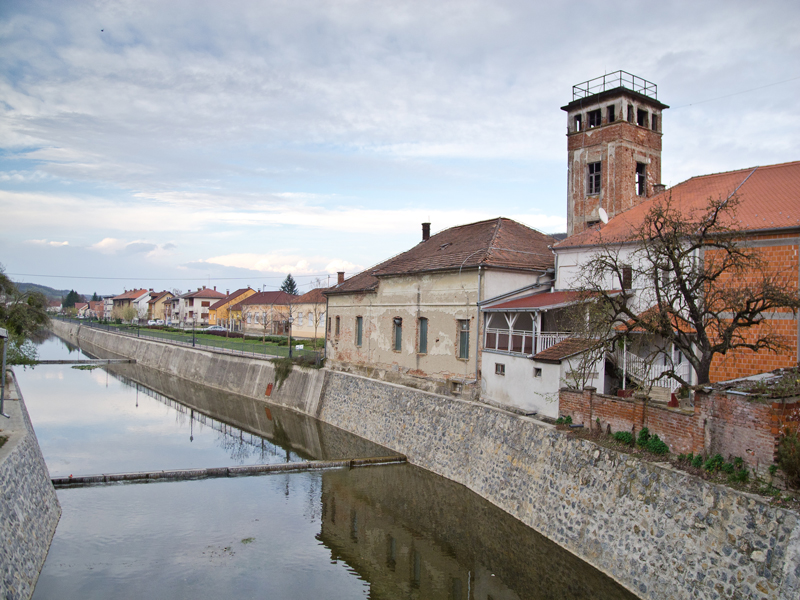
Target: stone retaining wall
659	532
29	508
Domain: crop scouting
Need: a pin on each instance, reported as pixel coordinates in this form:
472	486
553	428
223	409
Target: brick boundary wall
721	422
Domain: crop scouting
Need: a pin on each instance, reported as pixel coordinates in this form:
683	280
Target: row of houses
482	310
243	310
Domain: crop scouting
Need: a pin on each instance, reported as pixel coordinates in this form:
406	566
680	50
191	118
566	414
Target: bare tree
690	282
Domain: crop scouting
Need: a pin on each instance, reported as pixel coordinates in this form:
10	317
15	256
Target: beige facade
444	304
308	315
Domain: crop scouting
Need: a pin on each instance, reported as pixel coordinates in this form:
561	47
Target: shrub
697	461
625	437
728	468
568	420
789	458
657	446
690	457
714	463
643	437
681	457
739	476
773	469
738	462
560	421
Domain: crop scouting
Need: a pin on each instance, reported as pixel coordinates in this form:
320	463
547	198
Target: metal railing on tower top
611	81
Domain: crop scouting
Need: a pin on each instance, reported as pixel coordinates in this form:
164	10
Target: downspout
478	337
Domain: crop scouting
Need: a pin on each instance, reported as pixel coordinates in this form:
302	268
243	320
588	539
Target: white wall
519	387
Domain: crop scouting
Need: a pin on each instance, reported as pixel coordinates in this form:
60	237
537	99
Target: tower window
610	114
630	113
594	118
359	330
423	336
593	186
654	122
641	179
578	122
641	118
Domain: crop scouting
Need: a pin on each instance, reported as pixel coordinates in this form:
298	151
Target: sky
170	145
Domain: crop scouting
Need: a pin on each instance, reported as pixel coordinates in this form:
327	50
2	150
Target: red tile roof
498	242
542	300
265	298
229	297
564	349
204	293
156	296
315	296
769	199
131	295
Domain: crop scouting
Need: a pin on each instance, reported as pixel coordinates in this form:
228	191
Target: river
393	531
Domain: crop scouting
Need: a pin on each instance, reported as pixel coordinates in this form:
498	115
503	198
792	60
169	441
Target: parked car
159	321
150	323
215	328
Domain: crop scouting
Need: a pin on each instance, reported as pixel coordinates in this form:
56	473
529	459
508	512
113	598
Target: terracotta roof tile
131	295
315	296
204	293
264	298
564	349
228	298
769	199
156	296
498	242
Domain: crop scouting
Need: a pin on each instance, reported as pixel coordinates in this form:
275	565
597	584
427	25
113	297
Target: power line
199	278
735	93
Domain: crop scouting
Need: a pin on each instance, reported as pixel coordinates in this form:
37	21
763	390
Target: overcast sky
181	143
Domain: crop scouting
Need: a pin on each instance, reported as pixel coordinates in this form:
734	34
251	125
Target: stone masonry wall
661	533
29	508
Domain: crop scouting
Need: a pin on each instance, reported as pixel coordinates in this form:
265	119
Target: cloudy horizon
156	145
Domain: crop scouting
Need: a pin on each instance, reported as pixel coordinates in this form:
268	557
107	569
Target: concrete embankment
659	532
29	510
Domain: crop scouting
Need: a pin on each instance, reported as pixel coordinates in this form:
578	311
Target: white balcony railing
644	371
521	341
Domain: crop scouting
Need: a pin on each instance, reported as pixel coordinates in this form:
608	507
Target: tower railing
610	81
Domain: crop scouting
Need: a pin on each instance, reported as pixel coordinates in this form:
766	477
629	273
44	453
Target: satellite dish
603	215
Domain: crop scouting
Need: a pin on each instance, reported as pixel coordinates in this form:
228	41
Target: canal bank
29	511
659	532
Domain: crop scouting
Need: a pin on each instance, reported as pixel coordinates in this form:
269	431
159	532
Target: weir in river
392	531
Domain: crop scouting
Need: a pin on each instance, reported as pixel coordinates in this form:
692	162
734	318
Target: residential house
414	319
157	305
96	308
308	314
81	308
768	217
192	308
108	306
126	299
219	312
264	313
54	306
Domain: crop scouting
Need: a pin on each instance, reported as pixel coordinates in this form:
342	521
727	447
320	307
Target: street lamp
290	320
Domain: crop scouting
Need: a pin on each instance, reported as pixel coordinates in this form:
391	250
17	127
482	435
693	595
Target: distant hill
47	291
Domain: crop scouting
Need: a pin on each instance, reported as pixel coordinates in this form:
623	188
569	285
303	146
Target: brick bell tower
614	133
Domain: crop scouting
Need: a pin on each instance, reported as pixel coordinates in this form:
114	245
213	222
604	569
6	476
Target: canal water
374	532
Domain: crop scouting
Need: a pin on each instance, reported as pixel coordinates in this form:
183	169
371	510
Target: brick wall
728	424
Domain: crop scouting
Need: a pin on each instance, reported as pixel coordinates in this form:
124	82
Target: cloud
282	263
169	246
108	246
139	247
47	243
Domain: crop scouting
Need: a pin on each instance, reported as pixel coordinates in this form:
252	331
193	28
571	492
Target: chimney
215	288
658	188
227	292
426	232
339	277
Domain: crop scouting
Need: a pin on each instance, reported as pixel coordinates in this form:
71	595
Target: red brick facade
720	422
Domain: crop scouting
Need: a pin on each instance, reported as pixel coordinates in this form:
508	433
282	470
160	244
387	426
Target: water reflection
412	534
